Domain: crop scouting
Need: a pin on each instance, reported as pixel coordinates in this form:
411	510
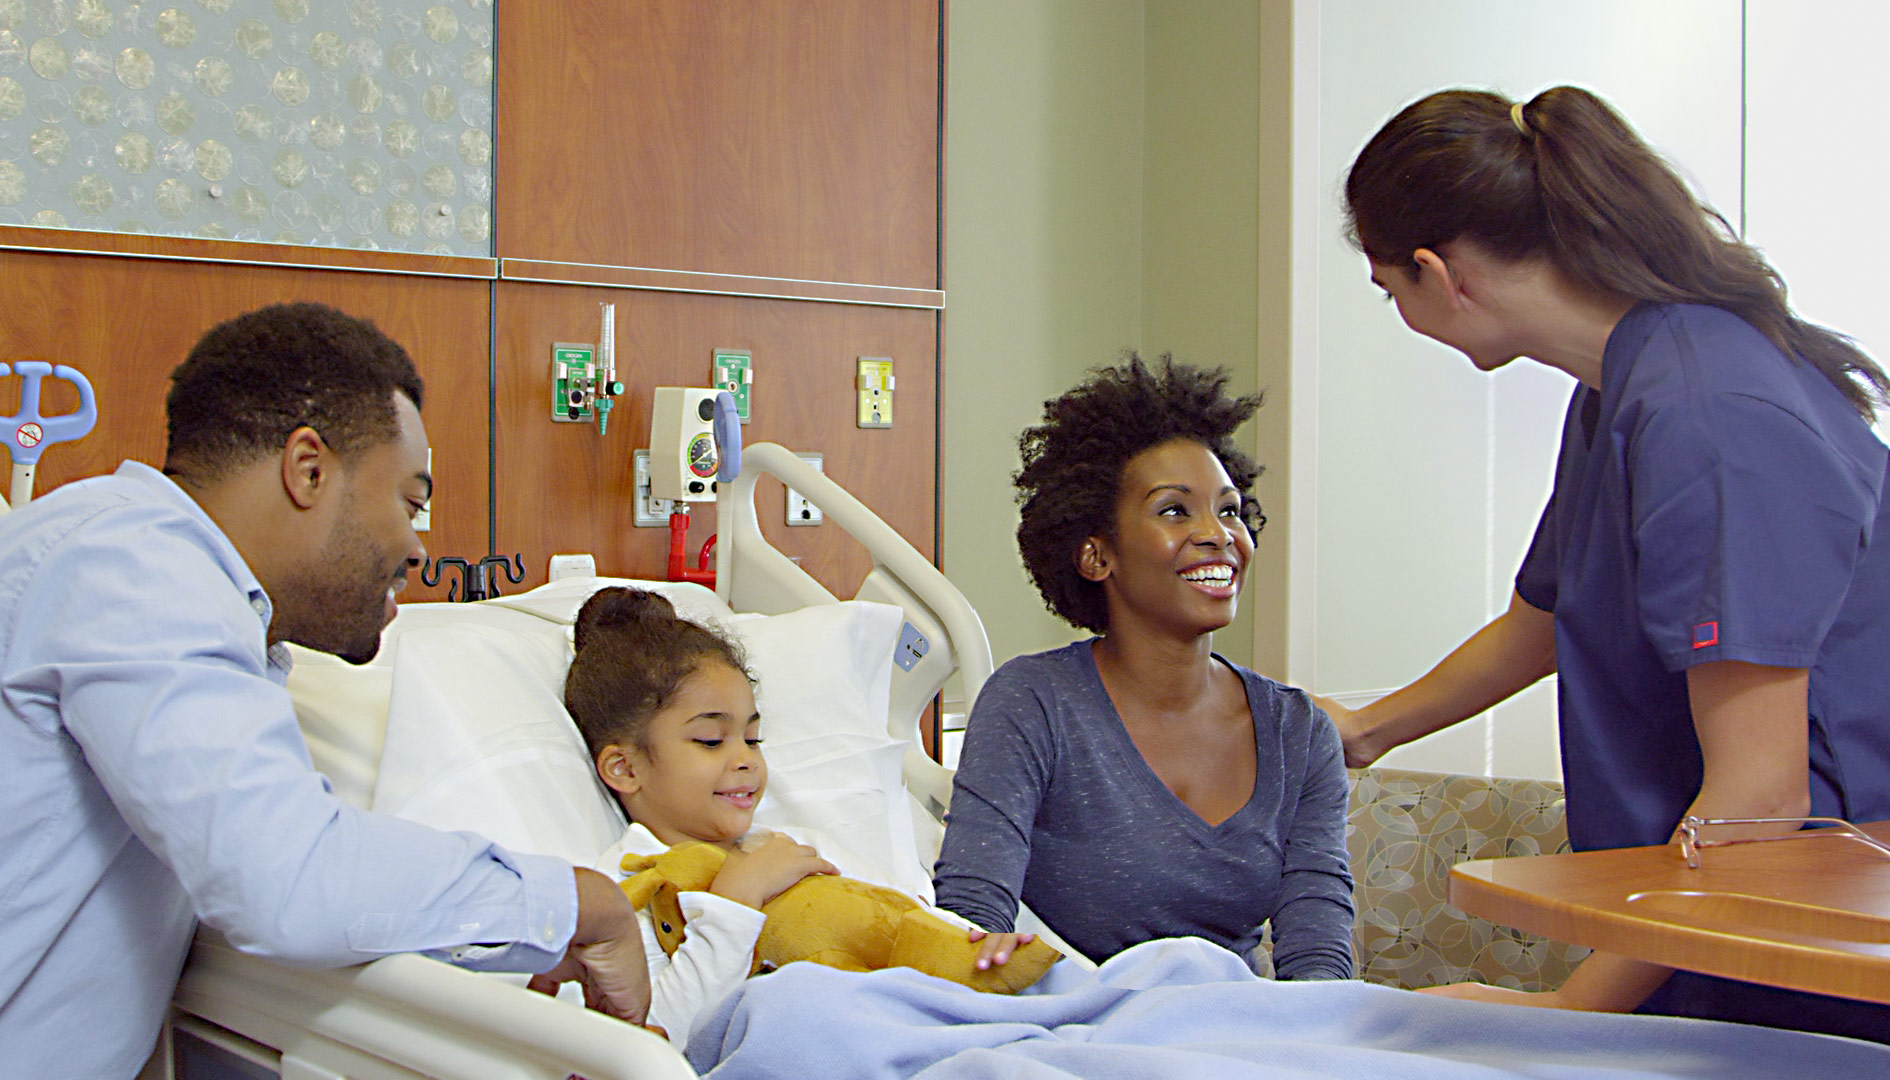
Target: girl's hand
758	876
997	948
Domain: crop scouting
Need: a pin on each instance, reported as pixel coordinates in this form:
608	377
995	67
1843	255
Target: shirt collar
226	554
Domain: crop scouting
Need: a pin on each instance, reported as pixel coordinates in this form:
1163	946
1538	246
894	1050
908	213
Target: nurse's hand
1359	749
605	954
1497	995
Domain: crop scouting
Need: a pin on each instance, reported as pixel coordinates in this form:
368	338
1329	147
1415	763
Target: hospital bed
458	724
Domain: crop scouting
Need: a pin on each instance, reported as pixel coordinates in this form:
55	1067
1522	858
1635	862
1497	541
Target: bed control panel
911	649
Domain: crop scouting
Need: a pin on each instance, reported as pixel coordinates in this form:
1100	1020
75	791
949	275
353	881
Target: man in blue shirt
151	770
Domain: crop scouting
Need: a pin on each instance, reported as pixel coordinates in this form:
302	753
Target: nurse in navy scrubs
1711	577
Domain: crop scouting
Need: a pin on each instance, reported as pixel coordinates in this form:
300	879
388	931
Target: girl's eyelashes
710	743
755	742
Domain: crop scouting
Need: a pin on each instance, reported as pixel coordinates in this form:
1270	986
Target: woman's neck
1154	673
1561	325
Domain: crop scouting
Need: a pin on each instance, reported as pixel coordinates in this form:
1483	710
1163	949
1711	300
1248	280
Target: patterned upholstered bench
1405	830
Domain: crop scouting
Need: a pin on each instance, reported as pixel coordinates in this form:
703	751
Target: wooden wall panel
564	488
125	323
791	138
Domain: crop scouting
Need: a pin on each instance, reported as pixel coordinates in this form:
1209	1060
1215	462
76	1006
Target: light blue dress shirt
152	774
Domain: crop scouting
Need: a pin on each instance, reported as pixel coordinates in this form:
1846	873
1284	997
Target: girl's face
703	772
1180	552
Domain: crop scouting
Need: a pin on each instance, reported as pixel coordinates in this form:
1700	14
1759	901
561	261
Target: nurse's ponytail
1563	178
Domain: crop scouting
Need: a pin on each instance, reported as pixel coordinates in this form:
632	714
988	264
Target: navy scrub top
1714	500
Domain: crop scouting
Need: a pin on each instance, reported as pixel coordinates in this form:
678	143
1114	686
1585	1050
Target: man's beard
339	605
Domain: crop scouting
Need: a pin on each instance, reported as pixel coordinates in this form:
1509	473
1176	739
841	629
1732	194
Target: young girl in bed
667	710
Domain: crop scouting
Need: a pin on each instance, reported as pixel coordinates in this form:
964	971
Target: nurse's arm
1751	722
1516	650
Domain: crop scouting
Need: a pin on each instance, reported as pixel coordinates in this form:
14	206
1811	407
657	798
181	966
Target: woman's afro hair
1073	464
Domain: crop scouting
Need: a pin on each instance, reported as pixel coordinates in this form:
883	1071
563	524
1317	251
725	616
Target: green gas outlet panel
734	370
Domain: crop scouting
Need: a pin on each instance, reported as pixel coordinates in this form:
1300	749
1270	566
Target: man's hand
605	954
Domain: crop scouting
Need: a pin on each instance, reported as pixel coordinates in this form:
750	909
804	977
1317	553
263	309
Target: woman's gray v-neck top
1053	803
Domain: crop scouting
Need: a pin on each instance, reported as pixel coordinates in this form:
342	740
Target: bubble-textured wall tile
339	123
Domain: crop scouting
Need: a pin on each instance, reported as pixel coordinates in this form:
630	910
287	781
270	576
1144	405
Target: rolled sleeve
1748	527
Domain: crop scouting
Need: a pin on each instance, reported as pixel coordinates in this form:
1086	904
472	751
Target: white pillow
477	737
342	707
824	686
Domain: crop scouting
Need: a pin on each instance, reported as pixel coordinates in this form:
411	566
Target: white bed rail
406	1016
942	634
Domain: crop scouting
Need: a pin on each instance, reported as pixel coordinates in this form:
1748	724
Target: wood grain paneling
786	139
125	323
564	488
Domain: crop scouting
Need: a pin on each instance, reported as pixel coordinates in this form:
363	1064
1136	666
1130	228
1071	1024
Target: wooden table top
1806	914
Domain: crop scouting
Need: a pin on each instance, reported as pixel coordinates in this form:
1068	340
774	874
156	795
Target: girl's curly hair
1073	463
633	653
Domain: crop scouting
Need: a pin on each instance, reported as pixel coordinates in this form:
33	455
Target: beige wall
1101	194
1043	261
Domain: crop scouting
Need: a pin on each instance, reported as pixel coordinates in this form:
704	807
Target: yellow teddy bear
836	921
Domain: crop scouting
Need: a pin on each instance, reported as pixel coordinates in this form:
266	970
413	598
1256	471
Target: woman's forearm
1510	654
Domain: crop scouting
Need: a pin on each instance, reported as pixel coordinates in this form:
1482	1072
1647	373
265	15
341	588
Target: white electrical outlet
564	566
423	521
799	510
650	512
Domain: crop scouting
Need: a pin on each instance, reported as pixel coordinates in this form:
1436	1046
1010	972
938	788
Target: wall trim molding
767	288
241	252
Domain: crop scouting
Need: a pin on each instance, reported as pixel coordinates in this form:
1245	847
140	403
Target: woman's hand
758	876
1359	748
997	948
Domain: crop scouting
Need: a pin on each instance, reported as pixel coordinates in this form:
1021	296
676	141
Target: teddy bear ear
644	879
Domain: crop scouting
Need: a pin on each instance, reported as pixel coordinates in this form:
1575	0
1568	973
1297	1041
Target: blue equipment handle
43	431
727	427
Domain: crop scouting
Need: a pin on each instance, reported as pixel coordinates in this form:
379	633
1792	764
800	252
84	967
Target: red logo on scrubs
1704	634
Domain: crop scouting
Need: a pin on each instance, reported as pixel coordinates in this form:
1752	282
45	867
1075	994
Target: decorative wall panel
340	123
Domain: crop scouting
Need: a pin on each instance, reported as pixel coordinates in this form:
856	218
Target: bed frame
407	1016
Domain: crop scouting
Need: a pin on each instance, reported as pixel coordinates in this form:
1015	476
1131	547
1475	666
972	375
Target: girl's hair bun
618	608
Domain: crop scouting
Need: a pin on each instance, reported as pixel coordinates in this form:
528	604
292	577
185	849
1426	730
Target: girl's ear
617	771
1092	559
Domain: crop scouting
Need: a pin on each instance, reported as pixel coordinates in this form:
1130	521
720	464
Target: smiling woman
1137	785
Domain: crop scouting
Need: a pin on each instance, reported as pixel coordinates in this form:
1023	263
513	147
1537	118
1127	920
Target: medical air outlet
695	443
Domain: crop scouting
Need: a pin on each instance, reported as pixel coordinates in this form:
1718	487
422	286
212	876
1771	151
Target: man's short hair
250	382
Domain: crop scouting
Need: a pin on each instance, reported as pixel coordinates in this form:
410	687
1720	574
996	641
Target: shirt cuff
547	925
731	915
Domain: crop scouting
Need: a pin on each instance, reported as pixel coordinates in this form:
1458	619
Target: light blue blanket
1174	1009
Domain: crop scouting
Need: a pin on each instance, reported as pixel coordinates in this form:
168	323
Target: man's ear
617	771
1092	559
306	467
